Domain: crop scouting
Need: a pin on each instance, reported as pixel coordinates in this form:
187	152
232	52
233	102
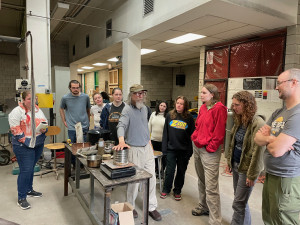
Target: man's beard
139	104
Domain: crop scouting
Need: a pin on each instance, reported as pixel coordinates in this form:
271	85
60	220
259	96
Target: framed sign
252	84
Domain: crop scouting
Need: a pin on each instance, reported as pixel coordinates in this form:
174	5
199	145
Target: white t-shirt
96	112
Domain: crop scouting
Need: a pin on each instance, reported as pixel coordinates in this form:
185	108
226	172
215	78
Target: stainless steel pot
94	160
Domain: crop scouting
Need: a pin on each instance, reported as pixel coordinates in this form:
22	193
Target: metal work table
107	184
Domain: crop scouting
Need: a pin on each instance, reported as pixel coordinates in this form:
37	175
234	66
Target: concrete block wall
190	90
89	84
59	53
292	53
102	77
9	72
158	81
201	73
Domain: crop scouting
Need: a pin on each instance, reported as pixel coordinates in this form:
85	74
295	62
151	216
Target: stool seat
55	146
157	154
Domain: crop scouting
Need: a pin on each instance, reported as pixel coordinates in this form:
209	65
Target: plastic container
100	147
47	155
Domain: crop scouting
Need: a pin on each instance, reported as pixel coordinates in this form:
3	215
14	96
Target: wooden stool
54	147
158	155
52	131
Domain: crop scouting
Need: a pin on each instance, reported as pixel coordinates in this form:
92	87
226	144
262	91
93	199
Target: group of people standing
253	145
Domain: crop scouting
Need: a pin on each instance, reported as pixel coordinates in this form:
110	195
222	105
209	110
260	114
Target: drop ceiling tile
166	35
176	47
161	45
205	41
200	23
220	28
242	31
148	43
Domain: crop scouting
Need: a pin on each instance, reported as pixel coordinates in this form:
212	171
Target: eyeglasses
281	82
141	93
75	87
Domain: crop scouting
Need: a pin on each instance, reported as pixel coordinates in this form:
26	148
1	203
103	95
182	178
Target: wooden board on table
110	164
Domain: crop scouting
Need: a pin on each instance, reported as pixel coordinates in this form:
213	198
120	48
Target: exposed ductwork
58	12
10	39
69	15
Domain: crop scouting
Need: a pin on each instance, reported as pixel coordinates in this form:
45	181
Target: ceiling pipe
10	39
12	6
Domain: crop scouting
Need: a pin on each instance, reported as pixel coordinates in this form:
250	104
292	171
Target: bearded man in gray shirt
281	135
133	127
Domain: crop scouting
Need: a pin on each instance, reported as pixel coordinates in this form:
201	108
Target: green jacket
251	162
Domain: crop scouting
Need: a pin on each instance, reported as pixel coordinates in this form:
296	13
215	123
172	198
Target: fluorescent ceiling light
99	64
113	59
145	51
79	70
185	38
87	67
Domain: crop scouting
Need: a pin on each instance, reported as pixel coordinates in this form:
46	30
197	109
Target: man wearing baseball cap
133	128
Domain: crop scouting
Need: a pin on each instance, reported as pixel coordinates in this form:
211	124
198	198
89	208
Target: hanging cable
81	24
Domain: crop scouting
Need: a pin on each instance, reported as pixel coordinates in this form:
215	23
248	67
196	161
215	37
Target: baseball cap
137	88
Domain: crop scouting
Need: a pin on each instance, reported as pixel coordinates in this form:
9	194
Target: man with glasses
281	135
75	107
133	128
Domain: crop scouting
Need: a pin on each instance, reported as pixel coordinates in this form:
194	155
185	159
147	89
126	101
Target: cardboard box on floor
121	214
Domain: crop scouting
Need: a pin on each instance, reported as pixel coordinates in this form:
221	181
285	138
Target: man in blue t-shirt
75	107
281	135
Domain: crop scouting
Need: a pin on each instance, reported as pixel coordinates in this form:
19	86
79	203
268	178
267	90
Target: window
108	28
87	41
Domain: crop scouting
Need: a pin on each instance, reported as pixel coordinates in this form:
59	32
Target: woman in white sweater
156	126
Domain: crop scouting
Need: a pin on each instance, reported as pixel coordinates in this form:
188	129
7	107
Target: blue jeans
241	211
27	158
72	137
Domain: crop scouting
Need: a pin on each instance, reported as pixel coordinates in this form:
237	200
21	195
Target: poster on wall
210	58
252	83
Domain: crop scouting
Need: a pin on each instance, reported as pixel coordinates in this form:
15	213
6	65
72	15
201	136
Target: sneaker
155	215
135	214
34	194
177	197
199	211
163	195
23	203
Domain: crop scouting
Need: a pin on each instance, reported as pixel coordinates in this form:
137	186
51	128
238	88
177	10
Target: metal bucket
121	157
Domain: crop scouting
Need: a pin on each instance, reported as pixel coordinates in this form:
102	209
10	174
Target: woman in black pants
177	146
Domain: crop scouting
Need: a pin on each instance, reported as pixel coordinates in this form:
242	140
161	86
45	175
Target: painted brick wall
158	82
191	88
292	54
9	72
103	76
59	53
89	84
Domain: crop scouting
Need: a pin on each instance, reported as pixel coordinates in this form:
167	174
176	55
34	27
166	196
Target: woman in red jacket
207	138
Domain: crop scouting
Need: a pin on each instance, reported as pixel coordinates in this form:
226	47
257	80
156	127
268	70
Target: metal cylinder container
121	157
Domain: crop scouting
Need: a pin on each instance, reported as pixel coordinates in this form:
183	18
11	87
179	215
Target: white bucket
47	155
